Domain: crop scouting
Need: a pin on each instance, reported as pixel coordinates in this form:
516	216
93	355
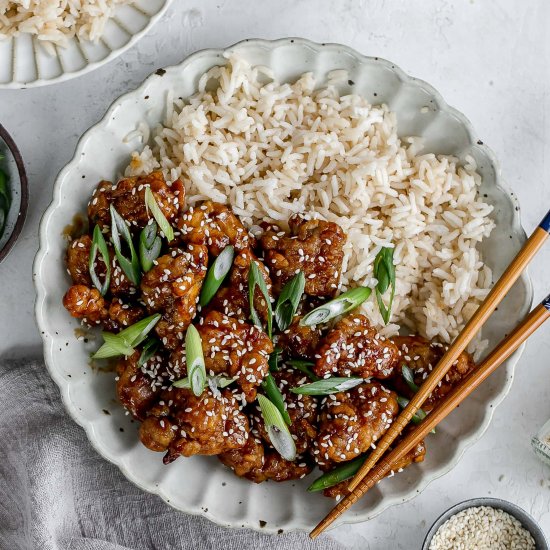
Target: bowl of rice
275	128
485	523
48	41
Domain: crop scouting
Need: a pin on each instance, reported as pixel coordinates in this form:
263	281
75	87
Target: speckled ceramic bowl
521	515
12	165
201	485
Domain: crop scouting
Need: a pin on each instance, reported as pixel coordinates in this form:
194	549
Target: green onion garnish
119	228
273	361
409	378
99	244
305	367
328	386
149	349
384	271
196	371
218	381
216	274
277	430
418	416
126	340
150	245
342	472
160	218
274	394
345	302
289	300
255	278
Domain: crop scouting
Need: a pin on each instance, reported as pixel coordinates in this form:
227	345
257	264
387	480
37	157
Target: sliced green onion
409	378
149	349
345	302
160	218
216	381
182	383
328	386
384	271
255	278
305	367
273	361
342	472
126	339
99	244
222	381
217	272
119	228
194	357
277	430
150	245
289	300
274	394
418	416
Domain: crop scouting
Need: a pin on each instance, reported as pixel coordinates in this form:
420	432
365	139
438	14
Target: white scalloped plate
201	485
24	63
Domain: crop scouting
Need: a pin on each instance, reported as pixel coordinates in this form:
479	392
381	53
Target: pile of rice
54	22
272	150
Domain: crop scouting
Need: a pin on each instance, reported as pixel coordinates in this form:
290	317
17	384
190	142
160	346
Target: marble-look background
488	59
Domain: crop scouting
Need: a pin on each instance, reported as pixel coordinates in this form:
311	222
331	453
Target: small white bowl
24	63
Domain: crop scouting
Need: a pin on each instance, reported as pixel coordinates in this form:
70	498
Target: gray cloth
57	493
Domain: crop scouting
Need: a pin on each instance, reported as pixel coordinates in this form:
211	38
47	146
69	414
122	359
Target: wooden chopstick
503	350
495	296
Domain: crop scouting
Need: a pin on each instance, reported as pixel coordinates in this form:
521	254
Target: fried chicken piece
421	356
172	288
232	299
300	342
354	348
85	303
351	422
302	410
315	247
128	197
414	456
122	315
259	462
232	348
184	424
78	255
214	225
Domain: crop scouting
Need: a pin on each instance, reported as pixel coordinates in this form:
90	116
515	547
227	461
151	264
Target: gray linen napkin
57	493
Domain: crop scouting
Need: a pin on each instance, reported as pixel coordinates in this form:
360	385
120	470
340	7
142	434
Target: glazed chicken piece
258	461
85	303
231	348
78	255
298	342
232	299
421	356
214	225
351	422
121	315
128	197
414	456
172	288
354	348
302	410
183	424
314	247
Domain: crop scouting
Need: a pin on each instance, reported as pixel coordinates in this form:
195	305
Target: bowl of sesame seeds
485	524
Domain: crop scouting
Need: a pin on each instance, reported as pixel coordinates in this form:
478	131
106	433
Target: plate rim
296	524
89	67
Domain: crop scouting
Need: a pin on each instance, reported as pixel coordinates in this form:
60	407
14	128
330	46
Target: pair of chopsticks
372	470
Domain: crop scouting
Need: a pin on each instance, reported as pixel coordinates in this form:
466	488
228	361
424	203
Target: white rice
54	22
271	150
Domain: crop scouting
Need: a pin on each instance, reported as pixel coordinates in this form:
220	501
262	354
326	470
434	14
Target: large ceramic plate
201	485
24	63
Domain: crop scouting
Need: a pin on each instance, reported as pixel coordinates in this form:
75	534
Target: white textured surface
489	61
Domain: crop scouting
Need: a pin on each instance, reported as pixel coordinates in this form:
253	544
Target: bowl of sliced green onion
13	193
